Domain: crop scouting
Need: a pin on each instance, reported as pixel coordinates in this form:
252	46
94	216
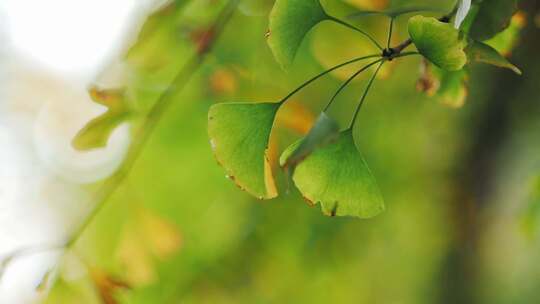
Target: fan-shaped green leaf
290	21
96	133
323	132
239	135
492	17
481	52
337	176
439	42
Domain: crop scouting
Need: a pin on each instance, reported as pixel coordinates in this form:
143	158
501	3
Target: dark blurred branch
474	183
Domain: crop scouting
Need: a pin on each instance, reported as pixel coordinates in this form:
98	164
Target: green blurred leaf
158	39
290	21
530	219
239	135
453	87
324	131
492	17
337	176
505	41
255	7
439	42
167	37
481	52
447	87
96	133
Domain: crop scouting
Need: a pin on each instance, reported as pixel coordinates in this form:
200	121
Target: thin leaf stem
364	95
390	32
370	83
339	21
346	83
305	84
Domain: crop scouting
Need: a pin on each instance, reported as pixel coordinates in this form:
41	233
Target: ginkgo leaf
453	88
447	87
290	21
492	17
158	40
439	42
239	135
481	52
338	177
505	41
324	131
96	133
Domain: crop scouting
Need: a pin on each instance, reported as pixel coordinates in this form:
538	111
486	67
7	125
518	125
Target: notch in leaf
239	135
481	52
439	42
338	177
96	133
290	21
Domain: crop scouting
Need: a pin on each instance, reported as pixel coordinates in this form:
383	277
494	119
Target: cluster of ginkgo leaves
325	165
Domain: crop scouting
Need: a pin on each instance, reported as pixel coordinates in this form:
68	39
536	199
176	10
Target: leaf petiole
364	95
339	21
348	81
390	32
305	84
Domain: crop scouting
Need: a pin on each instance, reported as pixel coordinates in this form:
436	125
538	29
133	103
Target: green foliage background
458	185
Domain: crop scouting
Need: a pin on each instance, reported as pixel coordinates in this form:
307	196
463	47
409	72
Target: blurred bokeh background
461	185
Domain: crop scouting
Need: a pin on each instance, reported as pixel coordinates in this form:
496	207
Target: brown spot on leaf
308	201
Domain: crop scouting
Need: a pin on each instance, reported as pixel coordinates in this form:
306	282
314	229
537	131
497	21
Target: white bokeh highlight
50	52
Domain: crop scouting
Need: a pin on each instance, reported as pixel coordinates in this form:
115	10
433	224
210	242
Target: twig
400	47
154	116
